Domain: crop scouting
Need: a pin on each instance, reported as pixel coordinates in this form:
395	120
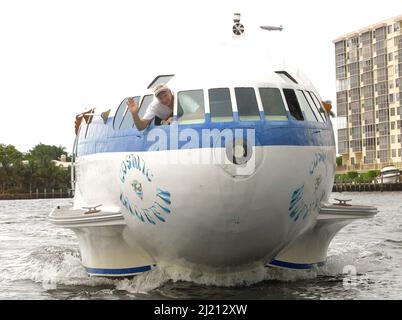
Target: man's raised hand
132	105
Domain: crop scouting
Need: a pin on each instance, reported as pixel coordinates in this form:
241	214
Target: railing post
382	183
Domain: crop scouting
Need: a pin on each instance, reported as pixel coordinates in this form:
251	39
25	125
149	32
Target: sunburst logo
145	200
307	198
137	187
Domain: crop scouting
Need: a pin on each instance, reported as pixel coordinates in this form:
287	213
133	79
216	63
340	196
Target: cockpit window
220	105
247	105
118	117
293	104
308	112
190	107
128	122
146	101
272	103
318	105
317	113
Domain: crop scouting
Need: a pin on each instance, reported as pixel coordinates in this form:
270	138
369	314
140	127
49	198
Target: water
40	261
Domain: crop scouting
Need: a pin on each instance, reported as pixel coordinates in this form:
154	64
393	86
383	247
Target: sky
59	58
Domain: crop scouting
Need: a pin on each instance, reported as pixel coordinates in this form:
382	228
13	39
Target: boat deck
346	211
67	216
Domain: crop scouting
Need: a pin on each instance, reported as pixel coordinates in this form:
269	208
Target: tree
339	161
37	171
45	153
353	175
10	163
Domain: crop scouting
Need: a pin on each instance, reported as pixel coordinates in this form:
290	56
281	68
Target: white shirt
157	109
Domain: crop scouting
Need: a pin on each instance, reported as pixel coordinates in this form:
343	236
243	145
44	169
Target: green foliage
46	153
339	161
21	173
373	173
341	177
353	176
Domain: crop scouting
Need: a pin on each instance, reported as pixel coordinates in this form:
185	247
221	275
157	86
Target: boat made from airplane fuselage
242	175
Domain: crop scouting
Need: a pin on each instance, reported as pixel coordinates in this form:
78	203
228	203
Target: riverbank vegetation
354	176
36	169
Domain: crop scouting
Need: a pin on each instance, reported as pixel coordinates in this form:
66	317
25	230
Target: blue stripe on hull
119	272
101	138
299	266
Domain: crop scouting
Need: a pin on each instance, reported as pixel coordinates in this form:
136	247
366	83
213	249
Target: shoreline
365	187
36	195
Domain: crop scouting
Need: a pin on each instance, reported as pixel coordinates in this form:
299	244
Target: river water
40	261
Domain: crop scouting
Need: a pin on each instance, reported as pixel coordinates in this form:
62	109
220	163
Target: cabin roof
230	66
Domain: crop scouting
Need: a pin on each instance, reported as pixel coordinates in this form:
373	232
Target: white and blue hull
191	203
209	217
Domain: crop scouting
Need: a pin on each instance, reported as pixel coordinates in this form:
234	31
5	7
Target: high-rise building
369	95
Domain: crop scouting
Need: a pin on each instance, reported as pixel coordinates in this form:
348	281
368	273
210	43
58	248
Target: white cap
160	88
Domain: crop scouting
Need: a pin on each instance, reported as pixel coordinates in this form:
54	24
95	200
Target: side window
318	104
317	113
305	106
146	101
247	105
272	103
220	105
293	104
118	117
190	106
128	122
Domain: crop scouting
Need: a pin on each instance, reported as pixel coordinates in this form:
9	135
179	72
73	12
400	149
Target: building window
247	105
381	88
272	103
190	107
366	38
342	123
341	72
355	94
293	105
220	105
